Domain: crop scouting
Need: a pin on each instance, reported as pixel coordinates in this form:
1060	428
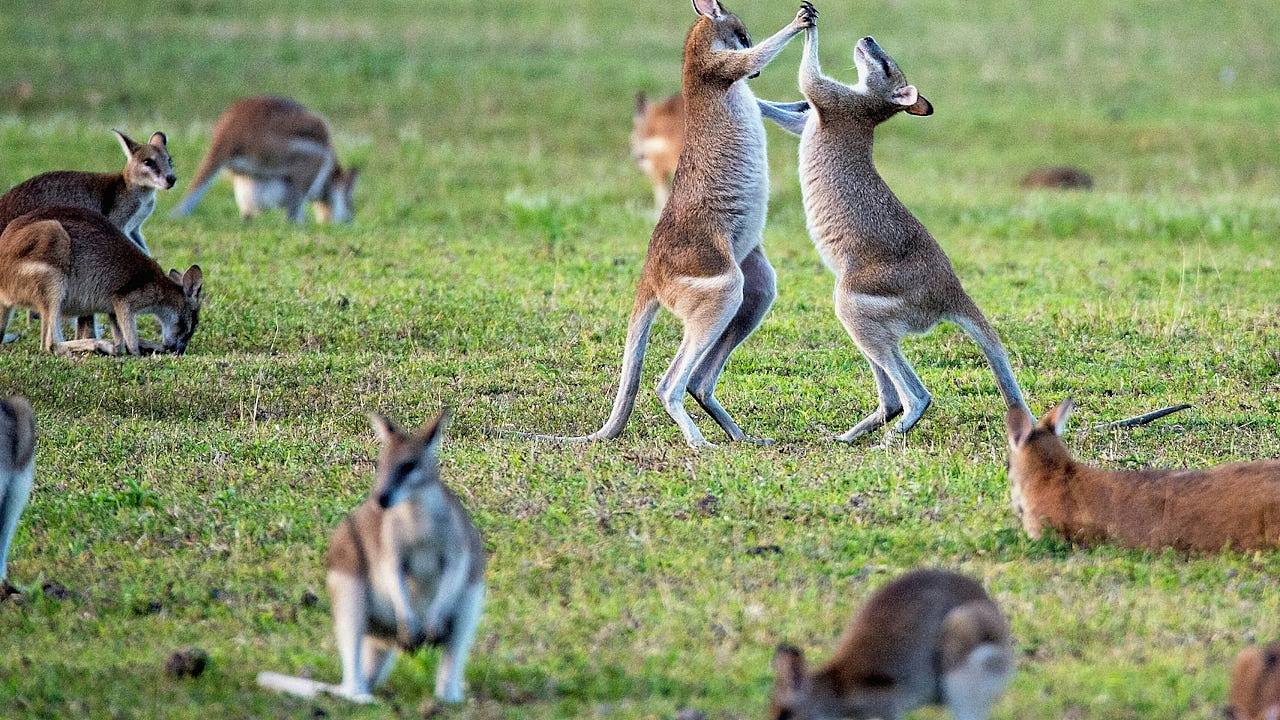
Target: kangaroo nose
172	180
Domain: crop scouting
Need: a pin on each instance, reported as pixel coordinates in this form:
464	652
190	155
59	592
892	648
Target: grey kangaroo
892	277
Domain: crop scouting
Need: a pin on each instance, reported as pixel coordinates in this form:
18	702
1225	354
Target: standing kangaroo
406	568
892	277
64	261
17	469
280	155
1235	505
930	637
705	261
1255	684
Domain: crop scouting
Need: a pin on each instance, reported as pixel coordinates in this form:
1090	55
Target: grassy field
500	228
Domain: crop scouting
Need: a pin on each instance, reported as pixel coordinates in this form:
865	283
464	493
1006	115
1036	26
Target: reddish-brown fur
657	138
1233	506
1255	684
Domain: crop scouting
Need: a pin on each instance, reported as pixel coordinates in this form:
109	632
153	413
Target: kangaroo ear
175	276
159	140
789	669
642	102
709	8
353	174
1019	423
921	107
126	143
433	432
193	282
1056	419
383	427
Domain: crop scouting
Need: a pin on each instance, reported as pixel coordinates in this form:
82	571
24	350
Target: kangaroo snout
171	179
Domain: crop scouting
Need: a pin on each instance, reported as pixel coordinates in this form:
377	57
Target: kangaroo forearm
818	89
738	64
791	121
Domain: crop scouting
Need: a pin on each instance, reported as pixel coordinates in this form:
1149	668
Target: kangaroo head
179	325
718	29
336	200
1036	449
883	87
147	164
801	695
408	463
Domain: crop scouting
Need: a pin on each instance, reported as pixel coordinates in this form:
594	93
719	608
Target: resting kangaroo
705	261
1236	505
892	277
406	568
930	637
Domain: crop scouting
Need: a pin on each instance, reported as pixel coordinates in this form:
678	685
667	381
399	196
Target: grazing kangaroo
406	568
17	469
657	137
1255	684
930	637
705	261
892	277
1236	505
280	155
70	261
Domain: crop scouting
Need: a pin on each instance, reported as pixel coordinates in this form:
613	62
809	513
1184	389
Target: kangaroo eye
149	163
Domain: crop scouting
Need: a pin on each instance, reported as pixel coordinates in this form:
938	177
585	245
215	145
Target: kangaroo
892	277
929	637
1255	684
406	568
657	137
280	155
127	198
1236	505
72	261
17	469
705	261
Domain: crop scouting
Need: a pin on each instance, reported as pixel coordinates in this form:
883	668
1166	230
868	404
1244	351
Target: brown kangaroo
657	137
930	637
1229	506
70	261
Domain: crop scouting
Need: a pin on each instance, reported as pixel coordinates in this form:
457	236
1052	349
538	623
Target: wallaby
127	198
1236	505
1255	684
892	277
705	261
69	261
657	137
929	637
406	568
280	155
17	469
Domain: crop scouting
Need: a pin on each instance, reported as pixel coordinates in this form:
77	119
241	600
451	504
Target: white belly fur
755	192
258	194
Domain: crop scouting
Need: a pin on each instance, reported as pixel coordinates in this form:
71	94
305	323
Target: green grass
500	230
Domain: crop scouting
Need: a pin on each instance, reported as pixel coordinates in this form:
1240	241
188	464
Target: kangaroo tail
973	323
201	181
642	315
1144	418
300	687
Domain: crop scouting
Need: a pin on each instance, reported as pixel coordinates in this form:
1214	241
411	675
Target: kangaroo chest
748	172
132	210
